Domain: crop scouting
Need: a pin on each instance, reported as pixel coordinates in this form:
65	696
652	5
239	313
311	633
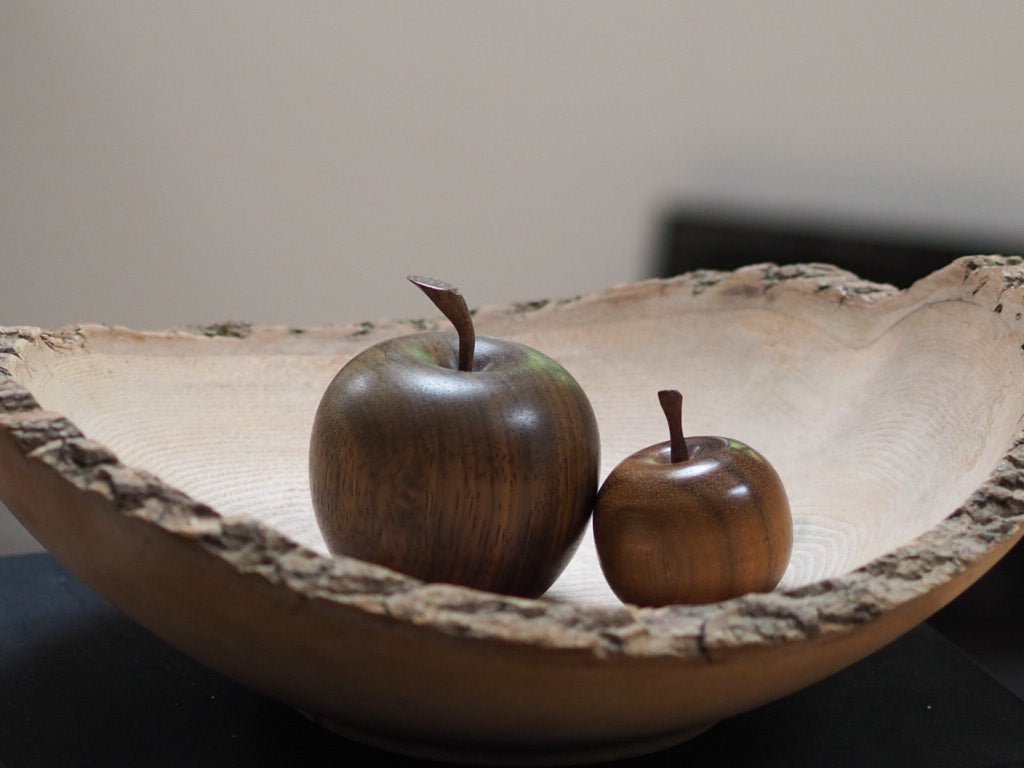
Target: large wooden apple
452	458
692	520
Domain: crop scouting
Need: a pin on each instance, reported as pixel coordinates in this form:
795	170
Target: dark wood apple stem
449	300
672	404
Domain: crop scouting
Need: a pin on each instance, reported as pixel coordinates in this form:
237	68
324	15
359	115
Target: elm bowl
168	470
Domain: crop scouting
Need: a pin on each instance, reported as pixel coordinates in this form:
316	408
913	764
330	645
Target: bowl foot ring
477	754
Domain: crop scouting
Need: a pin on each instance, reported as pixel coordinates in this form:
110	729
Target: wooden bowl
168	470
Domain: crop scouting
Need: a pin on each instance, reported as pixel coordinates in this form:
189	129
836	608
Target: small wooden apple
692	520
453	458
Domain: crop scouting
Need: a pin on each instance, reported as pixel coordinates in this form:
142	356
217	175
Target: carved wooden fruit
692	520
895	418
456	459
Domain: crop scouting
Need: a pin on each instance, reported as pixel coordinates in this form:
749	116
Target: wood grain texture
484	478
701	529
894	418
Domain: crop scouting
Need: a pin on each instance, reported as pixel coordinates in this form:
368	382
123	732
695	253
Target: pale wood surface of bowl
169	470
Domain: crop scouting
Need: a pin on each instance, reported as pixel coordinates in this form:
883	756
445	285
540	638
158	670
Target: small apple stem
449	300
672	405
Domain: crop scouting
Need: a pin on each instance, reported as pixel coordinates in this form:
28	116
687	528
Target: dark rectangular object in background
691	239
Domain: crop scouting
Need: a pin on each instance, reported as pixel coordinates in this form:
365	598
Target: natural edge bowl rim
992	515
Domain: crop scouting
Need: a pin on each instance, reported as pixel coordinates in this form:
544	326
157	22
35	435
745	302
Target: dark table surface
82	685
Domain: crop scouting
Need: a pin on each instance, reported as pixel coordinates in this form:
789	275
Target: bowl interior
878	431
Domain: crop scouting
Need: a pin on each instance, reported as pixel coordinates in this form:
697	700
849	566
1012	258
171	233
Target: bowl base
469	754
